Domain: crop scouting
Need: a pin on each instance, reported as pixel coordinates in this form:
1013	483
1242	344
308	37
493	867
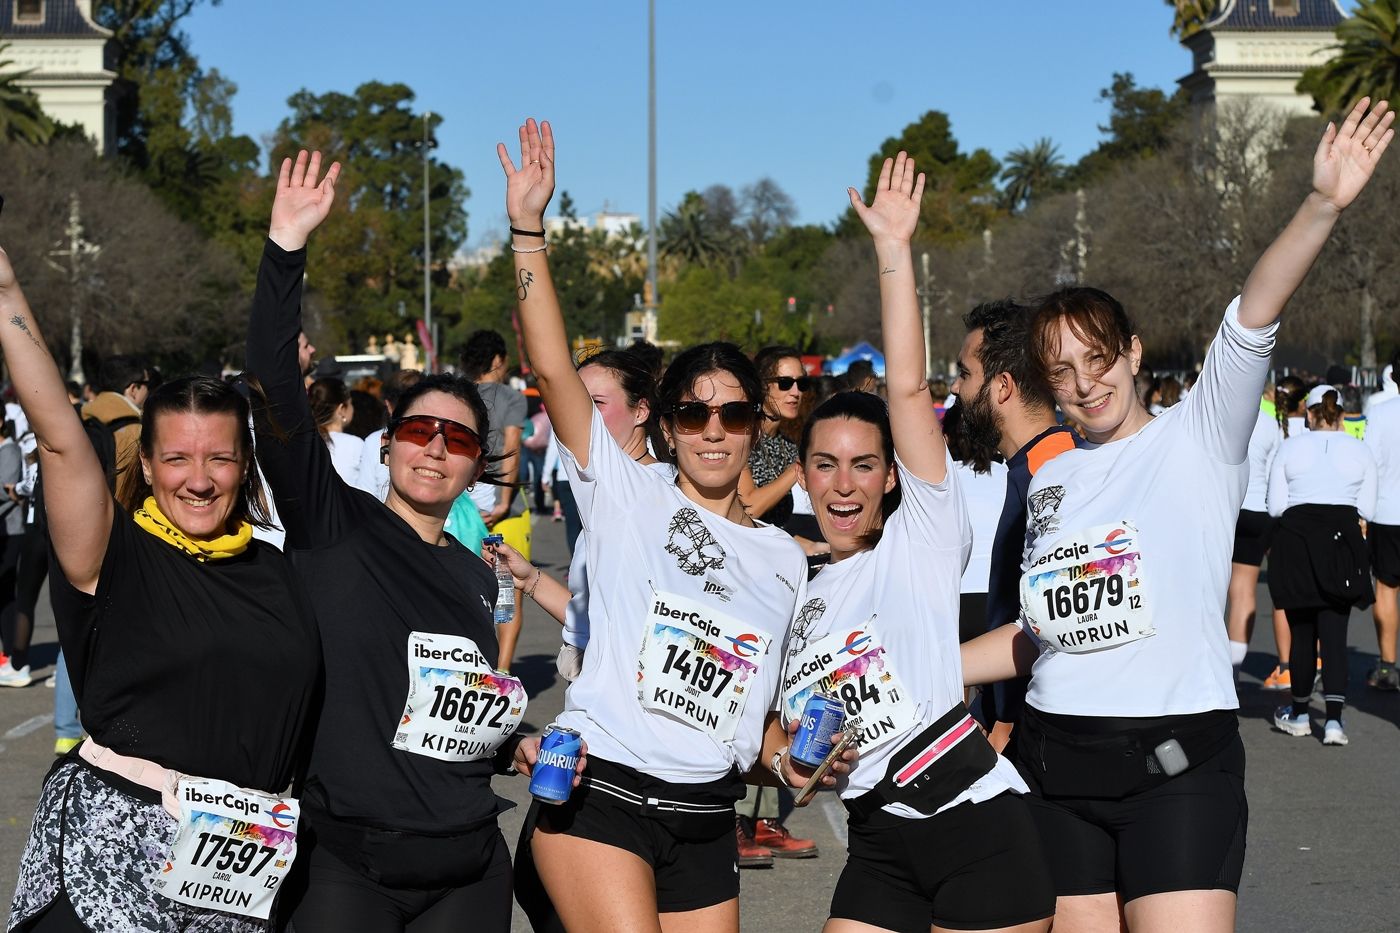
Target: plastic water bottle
505	584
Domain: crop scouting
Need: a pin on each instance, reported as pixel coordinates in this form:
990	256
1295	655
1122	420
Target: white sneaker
1285	721
16	678
1333	733
51	681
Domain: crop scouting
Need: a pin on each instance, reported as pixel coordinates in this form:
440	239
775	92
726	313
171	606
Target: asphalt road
1322	855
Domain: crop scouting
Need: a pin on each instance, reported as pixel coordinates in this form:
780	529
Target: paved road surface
1323	849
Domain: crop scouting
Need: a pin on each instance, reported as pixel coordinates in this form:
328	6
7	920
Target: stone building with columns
68	59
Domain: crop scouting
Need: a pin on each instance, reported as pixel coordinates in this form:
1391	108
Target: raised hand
1347	157
529	187
301	202
895	211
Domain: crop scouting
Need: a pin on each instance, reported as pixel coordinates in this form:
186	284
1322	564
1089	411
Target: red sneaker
751	854
775	837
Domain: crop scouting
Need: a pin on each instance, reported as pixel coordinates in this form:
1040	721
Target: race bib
1087	592
458	708
232	850
697	665
852	665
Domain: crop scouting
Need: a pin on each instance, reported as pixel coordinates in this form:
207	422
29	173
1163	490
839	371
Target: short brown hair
1094	316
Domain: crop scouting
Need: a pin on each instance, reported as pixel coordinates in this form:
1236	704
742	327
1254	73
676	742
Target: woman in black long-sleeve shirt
398	799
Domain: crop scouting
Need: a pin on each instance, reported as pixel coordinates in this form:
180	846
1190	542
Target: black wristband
518	232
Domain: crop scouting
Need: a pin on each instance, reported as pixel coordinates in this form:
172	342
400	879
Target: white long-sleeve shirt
1323	468
1383	441
1263	446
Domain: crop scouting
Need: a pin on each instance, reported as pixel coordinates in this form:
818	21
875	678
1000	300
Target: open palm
301	202
1347	157
529	187
895	211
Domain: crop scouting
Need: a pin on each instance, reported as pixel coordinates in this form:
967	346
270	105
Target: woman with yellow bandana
194	658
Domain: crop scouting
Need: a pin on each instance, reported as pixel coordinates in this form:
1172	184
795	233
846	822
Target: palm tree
1031	172
21	118
1367	61
1190	15
688	234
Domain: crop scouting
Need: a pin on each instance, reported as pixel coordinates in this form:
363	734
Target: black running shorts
1187	834
973	867
1384	543
1253	533
695	856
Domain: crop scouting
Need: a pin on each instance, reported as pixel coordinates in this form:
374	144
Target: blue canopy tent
861	351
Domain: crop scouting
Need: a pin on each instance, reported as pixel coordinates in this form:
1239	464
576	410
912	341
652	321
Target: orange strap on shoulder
1048	449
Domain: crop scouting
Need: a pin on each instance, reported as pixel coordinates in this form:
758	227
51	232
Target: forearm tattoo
18	321
527	278
887	270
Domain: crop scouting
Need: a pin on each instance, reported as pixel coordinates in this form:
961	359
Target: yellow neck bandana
150	517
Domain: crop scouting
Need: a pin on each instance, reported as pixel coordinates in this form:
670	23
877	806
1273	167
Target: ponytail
1289	393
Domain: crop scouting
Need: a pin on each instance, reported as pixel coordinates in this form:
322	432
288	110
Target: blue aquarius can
822	717
552	779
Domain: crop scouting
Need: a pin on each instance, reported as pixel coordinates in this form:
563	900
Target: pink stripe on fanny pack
935	751
147	774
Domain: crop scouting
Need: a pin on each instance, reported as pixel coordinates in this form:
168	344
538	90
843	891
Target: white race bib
697	665
232	850
852	665
458	708
1087	592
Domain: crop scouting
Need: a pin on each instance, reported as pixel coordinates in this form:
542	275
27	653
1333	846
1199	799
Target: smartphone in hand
814	783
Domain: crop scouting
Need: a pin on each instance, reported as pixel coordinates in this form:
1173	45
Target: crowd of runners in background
294	602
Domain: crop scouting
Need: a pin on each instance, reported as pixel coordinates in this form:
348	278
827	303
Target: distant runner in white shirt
1383	534
690	606
1129	737
937	826
1253	529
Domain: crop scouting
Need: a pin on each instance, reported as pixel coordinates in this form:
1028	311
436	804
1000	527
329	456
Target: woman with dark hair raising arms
192	652
683	585
398	790
1129	738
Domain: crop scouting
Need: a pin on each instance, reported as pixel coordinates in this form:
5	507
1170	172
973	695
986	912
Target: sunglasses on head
421	429
734	417
785	383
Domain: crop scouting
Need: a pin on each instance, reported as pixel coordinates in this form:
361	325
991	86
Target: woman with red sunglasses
397	798
690	604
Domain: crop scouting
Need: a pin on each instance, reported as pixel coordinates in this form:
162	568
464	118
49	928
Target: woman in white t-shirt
1321	480
690	604
1129	738
332	409
936	822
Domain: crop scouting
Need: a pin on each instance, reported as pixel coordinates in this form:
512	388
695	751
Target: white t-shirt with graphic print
1173	490
893	611
688	615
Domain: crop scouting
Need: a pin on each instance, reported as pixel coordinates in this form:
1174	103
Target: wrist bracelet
536	585
537	249
776	765
535	233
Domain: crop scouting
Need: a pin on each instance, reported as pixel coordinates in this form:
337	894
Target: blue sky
801	92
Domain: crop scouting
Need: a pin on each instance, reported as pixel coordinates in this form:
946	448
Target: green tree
1367	63
690	234
1142	123
368	264
21	117
705	304
1191	15
1031	172
959	199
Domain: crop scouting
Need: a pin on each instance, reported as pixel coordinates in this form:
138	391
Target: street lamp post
653	298
427	256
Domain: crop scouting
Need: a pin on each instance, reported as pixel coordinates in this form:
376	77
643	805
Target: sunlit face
713	458
430	478
306	354
846	475
970	375
776	402
1094	390
196	470
624	421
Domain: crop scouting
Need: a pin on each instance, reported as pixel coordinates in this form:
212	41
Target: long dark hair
200	395
637	379
871	409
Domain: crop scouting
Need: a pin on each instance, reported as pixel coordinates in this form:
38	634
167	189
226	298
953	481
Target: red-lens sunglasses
421	429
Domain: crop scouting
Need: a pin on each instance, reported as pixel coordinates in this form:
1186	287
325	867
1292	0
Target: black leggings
17	618
1310	626
344	899
16	628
